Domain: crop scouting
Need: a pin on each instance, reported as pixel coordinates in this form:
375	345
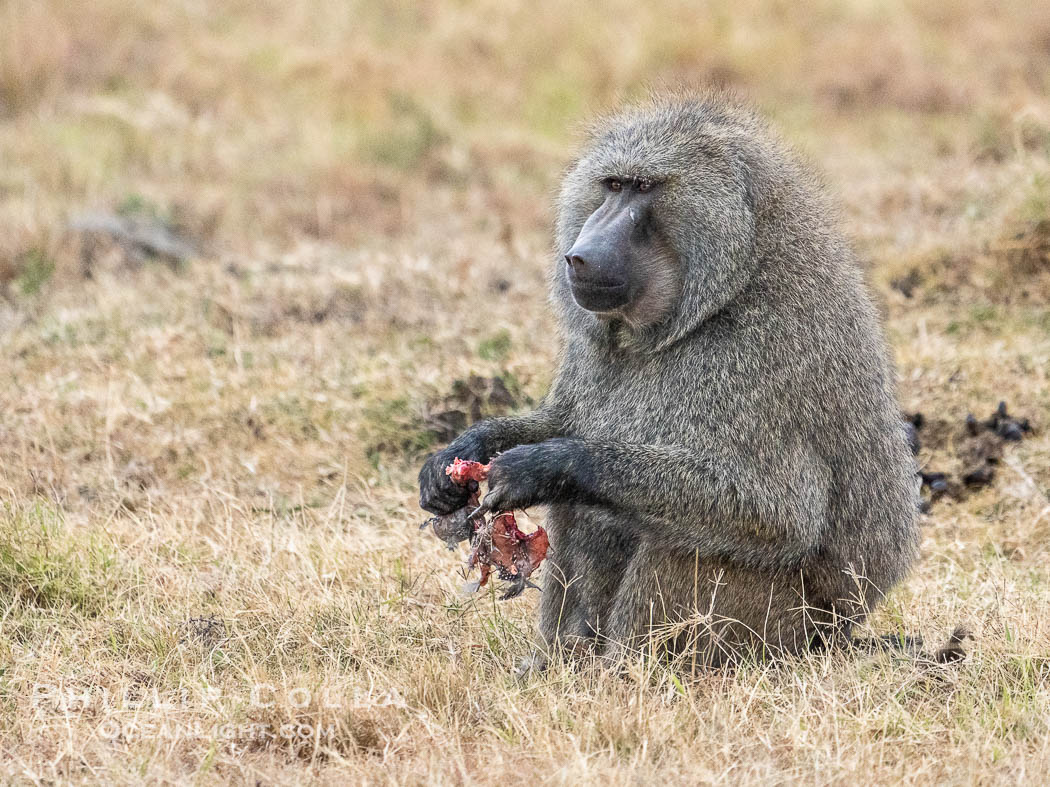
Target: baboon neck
618	338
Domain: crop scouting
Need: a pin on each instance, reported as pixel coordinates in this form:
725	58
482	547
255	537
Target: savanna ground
210	567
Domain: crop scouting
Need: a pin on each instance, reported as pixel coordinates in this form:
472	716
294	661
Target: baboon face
619	264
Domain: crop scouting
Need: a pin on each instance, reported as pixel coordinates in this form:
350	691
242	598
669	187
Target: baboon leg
653	608
587	561
563	611
676	605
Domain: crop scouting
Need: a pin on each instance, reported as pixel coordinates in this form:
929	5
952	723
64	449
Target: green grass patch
495	347
394	428
37	269
45	566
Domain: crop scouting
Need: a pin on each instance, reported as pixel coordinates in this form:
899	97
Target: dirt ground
257	258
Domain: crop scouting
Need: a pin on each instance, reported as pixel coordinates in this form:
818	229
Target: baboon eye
645	185
614	184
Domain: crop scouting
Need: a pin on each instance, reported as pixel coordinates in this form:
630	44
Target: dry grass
209	564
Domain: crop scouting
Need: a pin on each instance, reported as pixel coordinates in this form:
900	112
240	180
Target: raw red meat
497	543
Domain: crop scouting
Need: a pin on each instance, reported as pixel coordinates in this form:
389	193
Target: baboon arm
726	506
437	492
485	439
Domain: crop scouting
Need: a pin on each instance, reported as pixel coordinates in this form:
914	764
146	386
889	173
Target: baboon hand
530	475
438	494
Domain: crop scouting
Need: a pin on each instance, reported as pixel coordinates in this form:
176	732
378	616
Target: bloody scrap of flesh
461	471
514	555
497	544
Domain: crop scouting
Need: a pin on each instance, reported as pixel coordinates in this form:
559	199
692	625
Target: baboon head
656	227
619	264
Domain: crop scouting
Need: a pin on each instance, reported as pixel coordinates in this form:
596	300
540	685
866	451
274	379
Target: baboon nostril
576	262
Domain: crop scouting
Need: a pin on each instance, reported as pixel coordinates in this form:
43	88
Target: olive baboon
721	450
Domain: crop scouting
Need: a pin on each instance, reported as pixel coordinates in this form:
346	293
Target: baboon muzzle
601	262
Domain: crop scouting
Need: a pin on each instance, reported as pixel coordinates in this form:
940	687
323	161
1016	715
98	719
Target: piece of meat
497	543
462	471
502	546
455	527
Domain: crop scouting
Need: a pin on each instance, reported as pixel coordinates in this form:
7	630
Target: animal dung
977	447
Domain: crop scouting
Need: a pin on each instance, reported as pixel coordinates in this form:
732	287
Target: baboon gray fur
723	458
